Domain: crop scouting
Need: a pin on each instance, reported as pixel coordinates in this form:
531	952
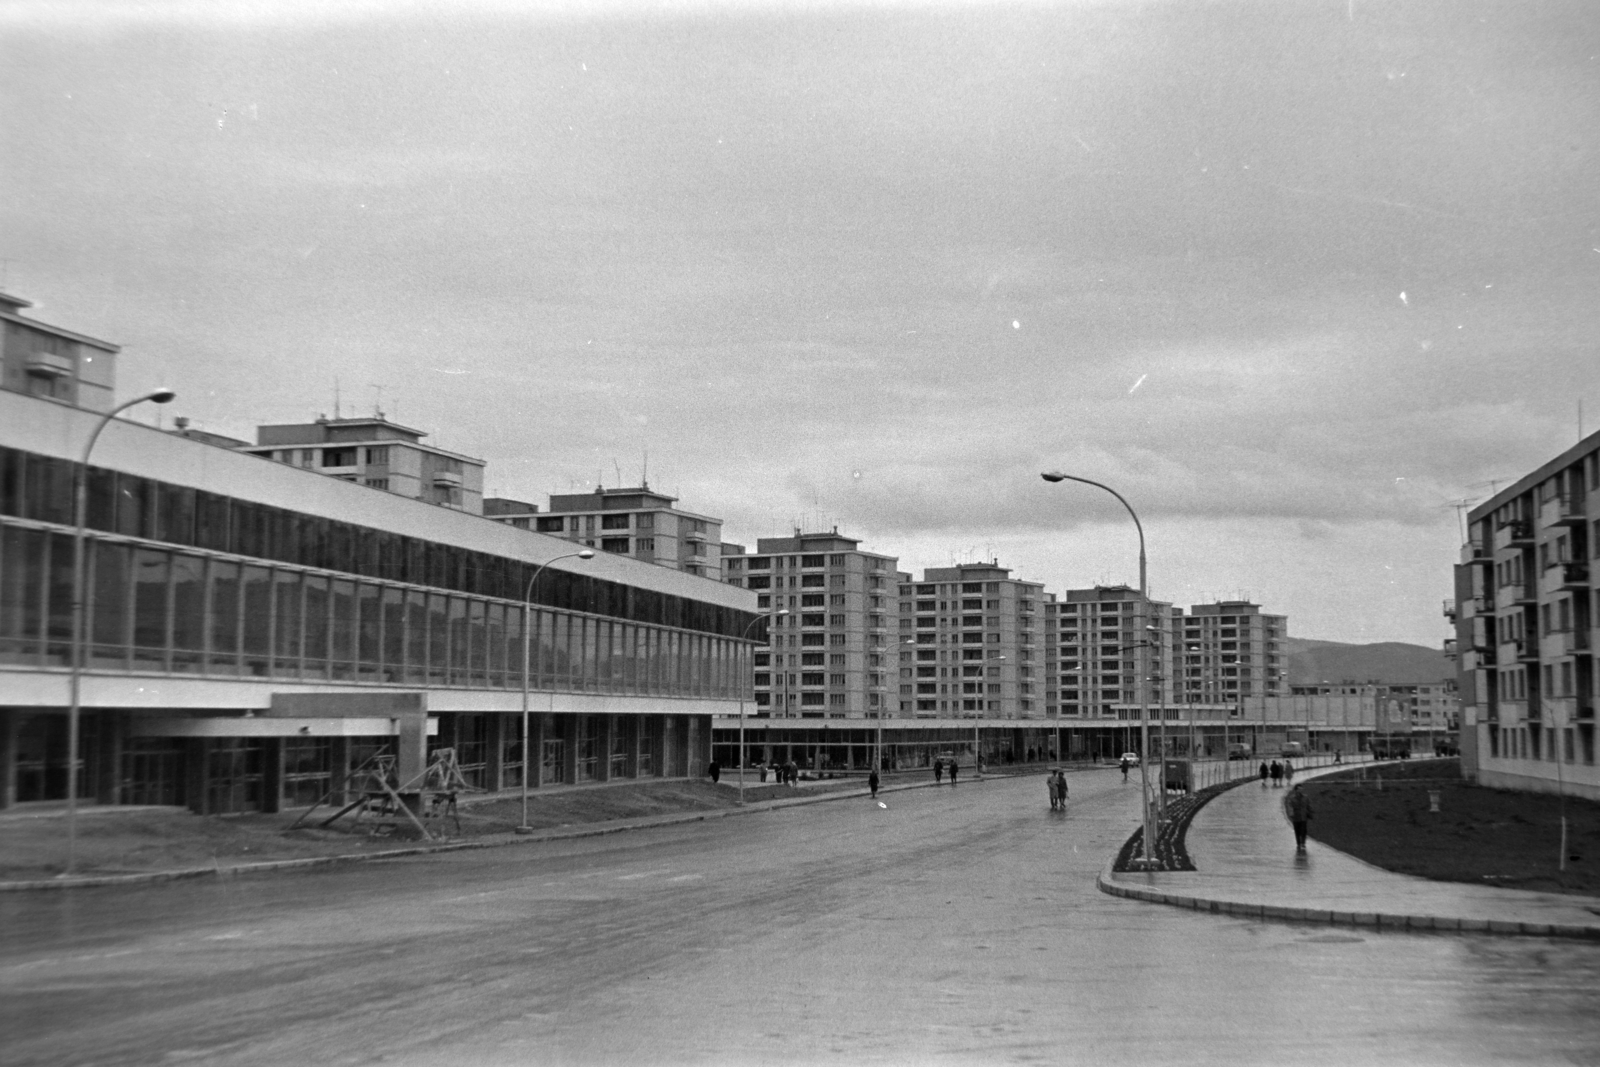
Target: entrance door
553	761
233	775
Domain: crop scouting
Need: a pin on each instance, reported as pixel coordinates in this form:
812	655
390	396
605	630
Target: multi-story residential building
831	656
1525	609
47	361
518	513
1432	708
973	644
379	454
1098	646
1231	650
640	523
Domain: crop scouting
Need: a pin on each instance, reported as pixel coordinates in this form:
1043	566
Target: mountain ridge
1313	662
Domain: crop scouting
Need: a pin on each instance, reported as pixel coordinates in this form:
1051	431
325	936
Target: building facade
830	657
1232	650
972	644
1098	645
254	631
640	523
46	361
1525	608
378	454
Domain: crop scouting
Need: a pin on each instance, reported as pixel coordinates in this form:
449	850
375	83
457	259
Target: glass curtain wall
162	609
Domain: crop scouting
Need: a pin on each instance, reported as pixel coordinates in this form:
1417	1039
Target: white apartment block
1525	610
1098	642
379	454
56	364
636	522
1232	650
830	657
972	644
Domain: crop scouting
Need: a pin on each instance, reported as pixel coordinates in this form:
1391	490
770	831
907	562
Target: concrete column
570	729
271	775
538	730
8	758
339	770
194	773
495	735
108	762
605	739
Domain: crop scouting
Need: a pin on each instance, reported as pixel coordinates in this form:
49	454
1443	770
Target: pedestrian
1297	806
1061	788
1263	774
715	770
938	771
762	767
1277	774
1126	763
954	767
872	783
1338	757
1288	772
1055	793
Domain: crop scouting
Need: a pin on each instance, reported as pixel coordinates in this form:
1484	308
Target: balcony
1450	610
50	365
1573	641
1568	509
1575	575
1483	604
1450	649
1516	533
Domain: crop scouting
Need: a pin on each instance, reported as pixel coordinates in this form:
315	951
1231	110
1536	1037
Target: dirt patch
1478	835
111	841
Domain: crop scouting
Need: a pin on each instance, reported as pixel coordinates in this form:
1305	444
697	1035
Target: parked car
1131	757
1237	751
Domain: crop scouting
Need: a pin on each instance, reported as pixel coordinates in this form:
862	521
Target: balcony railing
1450	610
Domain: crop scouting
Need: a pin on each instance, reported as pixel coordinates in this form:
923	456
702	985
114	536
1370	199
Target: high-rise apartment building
830	657
1231	649
972	644
1525	610
47	361
1098	646
377	453
635	522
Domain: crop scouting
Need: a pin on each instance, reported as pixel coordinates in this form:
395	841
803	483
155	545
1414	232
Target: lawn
1381	814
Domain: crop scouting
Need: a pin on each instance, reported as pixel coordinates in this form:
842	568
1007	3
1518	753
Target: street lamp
1144	659
746	636
527	612
75	653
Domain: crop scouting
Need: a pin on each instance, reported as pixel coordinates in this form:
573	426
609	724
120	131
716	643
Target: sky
1297	279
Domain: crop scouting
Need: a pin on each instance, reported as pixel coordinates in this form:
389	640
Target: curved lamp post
75	653
1144	662
527	612
746	636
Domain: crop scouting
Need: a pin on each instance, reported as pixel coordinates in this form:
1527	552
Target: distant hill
1311	662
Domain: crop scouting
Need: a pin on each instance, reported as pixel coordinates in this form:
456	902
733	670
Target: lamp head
161	396
587	553
780	611
1053	476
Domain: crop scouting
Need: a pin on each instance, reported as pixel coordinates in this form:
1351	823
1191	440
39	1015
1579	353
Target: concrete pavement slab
1243	849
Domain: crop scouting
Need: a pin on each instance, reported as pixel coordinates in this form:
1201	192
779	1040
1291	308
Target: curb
594	830
1366	919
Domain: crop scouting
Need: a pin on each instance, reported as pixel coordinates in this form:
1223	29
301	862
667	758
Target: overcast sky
1292	277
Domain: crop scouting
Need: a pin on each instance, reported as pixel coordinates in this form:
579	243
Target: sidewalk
1244	851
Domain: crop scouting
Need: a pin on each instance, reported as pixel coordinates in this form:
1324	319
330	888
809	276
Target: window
836	659
835	679
338	457
377	483
378	456
811	600
812	619
835	620
815	581
811	678
760	563
811	659
759	581
614	522
811	561
614	544
552	524
645	544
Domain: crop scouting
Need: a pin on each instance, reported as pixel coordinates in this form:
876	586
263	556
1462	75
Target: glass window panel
342	637
58	606
256	585
558	646
188	611
21	594
314	662
108	607
175	515
151	569
584	635
394	634
224	617
496	635
600	638
438	638
416	666
458	671
369	644
287	625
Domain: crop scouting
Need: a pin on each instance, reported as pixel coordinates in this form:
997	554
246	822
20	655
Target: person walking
954	767
1297	806
715	770
1263	774
1061	788
938	771
1055	793
1277	774
872	783
1288	772
1126	763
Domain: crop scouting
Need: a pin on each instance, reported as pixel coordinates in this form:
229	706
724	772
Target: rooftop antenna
618	467
377	400
644	471
337	414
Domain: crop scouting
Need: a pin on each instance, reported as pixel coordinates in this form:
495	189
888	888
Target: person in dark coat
1126	763
872	783
1061	788
954	768
715	770
1277	773
938	770
1297	806
1263	774
1055	793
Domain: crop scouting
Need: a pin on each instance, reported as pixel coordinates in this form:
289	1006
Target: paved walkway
1243	850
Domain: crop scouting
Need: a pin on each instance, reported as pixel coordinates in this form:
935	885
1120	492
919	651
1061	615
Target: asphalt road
952	926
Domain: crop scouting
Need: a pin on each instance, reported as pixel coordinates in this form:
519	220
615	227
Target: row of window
152	608
41	488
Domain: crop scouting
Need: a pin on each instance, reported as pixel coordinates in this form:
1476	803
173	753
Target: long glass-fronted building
255	630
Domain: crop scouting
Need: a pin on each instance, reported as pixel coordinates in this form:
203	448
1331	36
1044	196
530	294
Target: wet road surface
954	926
